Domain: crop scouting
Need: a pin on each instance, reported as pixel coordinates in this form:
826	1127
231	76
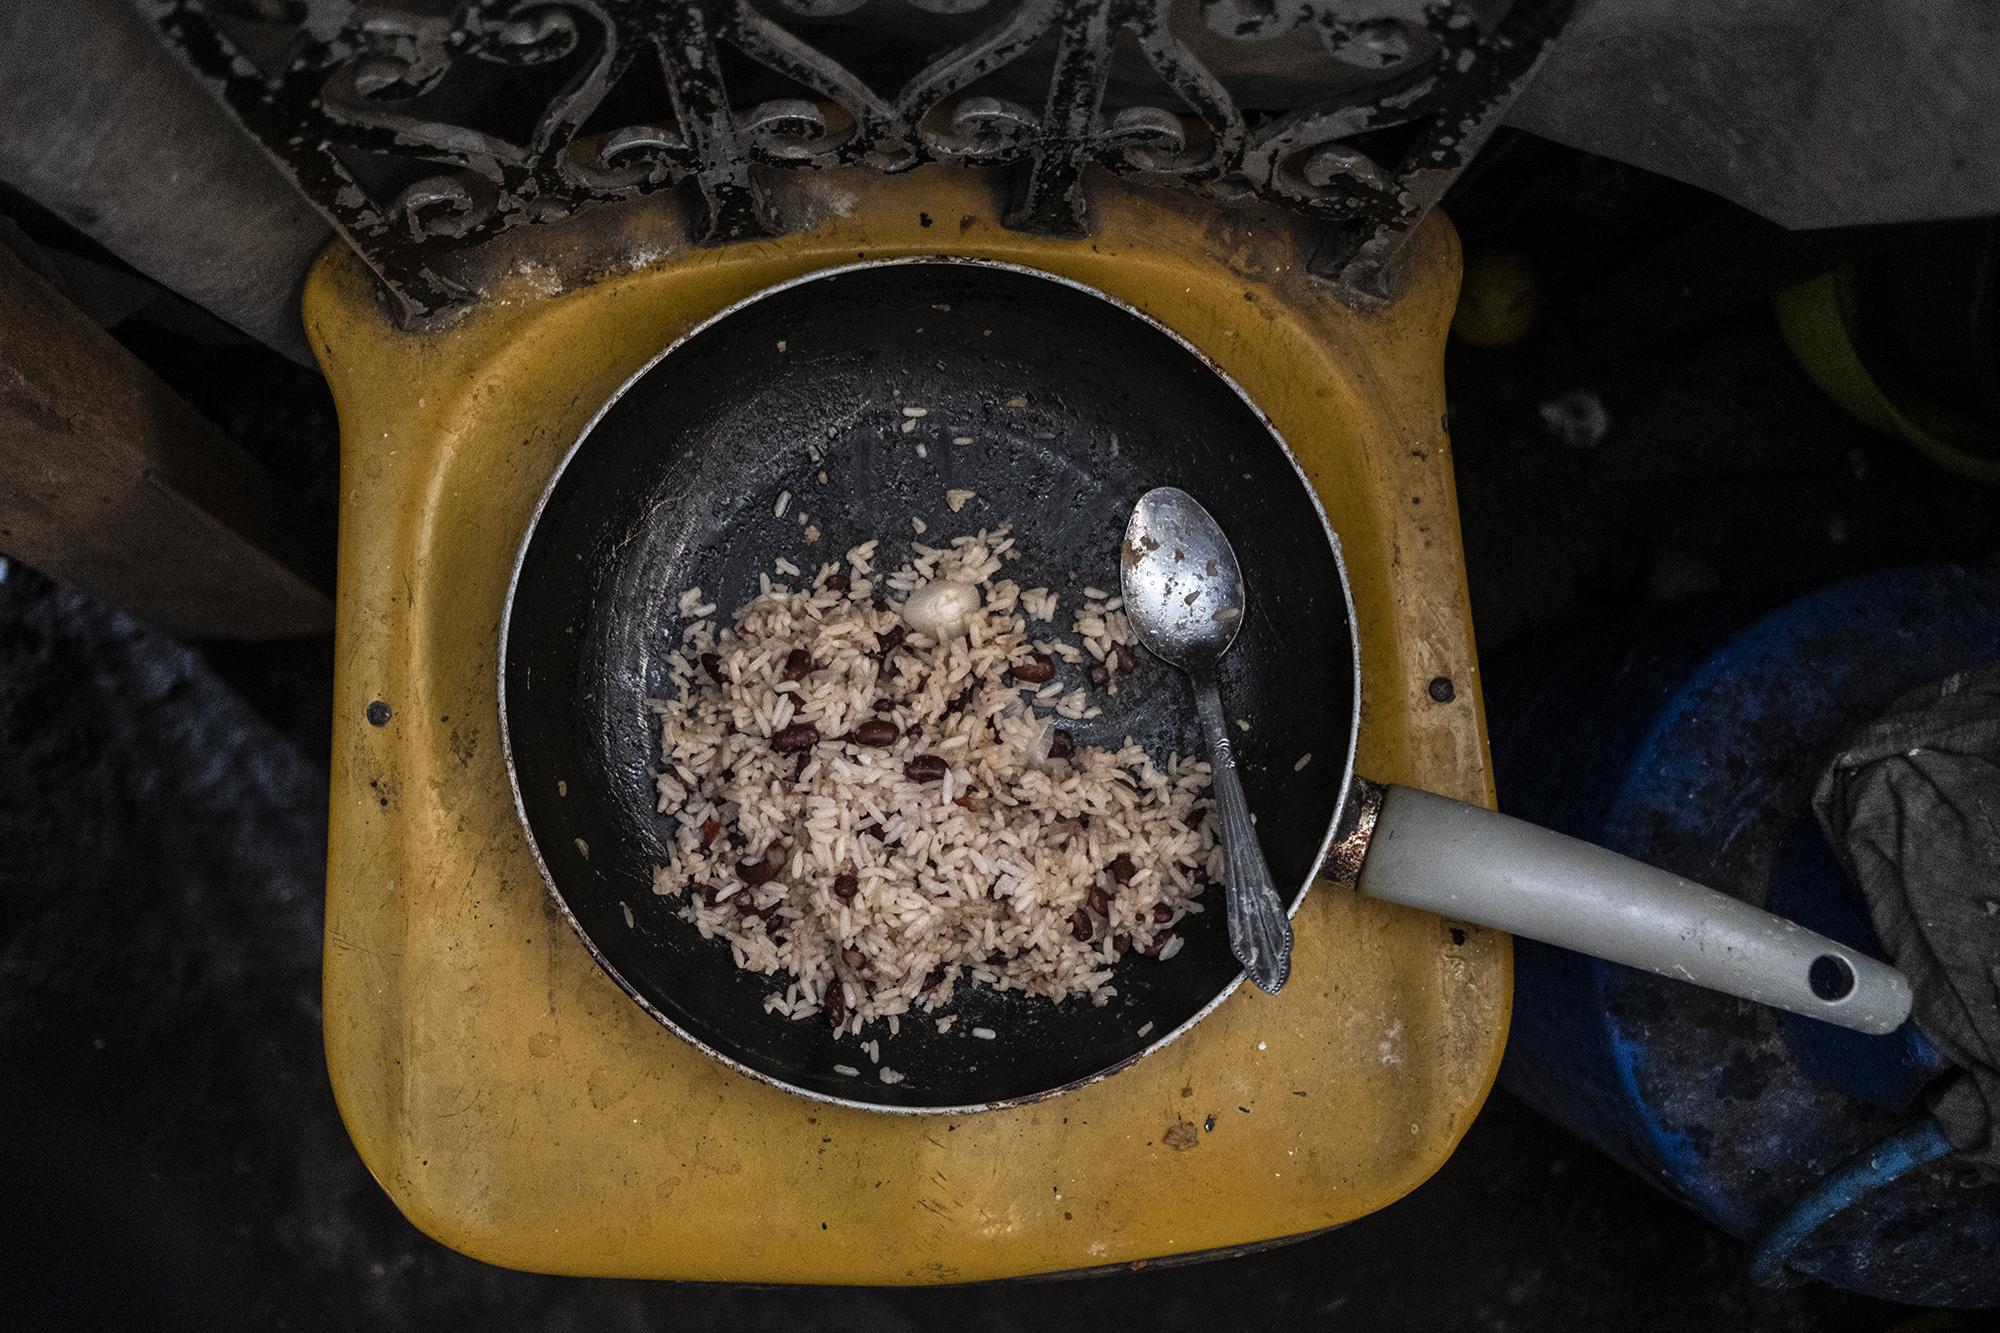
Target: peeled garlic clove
941	607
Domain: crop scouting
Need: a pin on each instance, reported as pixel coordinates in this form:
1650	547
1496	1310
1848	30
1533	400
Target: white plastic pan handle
1473	865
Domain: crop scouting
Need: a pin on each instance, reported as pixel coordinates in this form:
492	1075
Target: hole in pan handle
1474	865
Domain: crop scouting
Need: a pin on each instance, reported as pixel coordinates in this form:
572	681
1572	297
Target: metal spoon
1184	596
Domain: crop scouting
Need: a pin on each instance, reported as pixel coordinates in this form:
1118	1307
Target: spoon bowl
1183	588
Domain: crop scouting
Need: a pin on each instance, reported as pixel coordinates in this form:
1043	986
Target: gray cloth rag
1912	807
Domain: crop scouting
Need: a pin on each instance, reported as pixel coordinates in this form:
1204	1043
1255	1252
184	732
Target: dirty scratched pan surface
675	486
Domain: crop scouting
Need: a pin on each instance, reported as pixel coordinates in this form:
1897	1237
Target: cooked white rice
1040	604
890	885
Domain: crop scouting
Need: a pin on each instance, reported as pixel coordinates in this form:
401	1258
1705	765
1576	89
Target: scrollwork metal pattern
421	132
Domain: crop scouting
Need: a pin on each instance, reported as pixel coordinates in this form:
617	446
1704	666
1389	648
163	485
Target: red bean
799	664
846	884
835	1003
1122	654
1162	914
890	641
963	802
712	664
876	731
884	705
799	736
854	958
1121	944
711	829
1062	745
1035	671
764	869
1099	673
1080	924
837	583
707	893
1099	900
926	768
1122	869
1160	942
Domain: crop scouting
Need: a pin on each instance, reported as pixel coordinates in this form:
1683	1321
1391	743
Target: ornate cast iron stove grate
426	127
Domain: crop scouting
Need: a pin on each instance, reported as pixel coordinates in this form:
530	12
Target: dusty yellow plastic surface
518	1107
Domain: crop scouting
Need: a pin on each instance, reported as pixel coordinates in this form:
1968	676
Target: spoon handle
1260	935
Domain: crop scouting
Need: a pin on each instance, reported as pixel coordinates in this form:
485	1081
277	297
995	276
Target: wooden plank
111	482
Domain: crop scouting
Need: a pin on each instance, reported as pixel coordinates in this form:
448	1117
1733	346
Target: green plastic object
1818	321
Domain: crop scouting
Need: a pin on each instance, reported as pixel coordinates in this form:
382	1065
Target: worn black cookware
1074	406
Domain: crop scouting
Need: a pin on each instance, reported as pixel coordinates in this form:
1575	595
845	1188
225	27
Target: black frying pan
674	484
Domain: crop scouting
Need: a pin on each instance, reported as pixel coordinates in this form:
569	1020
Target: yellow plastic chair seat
518	1107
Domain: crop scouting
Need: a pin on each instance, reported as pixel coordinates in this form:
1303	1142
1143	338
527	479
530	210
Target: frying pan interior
1074	405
